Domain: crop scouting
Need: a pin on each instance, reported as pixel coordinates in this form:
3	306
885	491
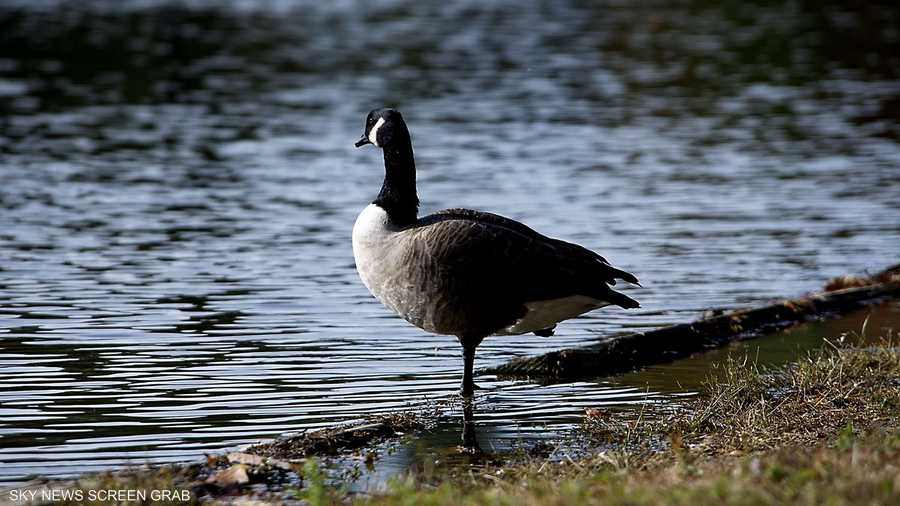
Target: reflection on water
180	184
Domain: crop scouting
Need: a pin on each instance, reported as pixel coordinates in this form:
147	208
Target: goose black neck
398	193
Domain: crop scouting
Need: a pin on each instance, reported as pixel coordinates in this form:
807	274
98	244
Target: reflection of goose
467	273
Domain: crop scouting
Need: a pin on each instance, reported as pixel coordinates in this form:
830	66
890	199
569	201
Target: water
179	185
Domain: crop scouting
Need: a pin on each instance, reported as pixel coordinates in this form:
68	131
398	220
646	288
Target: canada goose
465	273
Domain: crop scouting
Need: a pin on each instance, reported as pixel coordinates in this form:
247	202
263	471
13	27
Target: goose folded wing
572	252
489	258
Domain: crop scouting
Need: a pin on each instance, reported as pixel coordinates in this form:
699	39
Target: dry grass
867	472
747	409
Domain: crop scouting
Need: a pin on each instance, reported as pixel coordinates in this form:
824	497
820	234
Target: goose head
384	127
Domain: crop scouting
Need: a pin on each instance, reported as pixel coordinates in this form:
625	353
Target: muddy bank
330	441
273	470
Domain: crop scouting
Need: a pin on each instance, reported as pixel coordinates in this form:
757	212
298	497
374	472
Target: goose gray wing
488	267
574	250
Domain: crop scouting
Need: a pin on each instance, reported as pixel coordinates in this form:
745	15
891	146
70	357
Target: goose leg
469	438
468	381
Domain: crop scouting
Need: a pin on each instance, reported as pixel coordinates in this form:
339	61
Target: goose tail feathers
624	276
621	300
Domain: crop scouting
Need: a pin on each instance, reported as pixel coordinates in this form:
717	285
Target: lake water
179	184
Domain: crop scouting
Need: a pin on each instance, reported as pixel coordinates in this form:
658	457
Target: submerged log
632	351
324	442
333	440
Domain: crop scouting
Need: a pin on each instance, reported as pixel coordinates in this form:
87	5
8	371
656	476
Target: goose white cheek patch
373	133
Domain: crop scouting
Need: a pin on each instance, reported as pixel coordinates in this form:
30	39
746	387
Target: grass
824	430
864	473
745	409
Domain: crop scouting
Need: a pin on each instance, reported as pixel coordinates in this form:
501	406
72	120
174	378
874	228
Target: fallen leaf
595	413
245	458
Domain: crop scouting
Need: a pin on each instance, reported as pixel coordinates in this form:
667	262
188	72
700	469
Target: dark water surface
179	185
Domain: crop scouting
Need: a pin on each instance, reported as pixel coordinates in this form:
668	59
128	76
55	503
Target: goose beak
362	141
